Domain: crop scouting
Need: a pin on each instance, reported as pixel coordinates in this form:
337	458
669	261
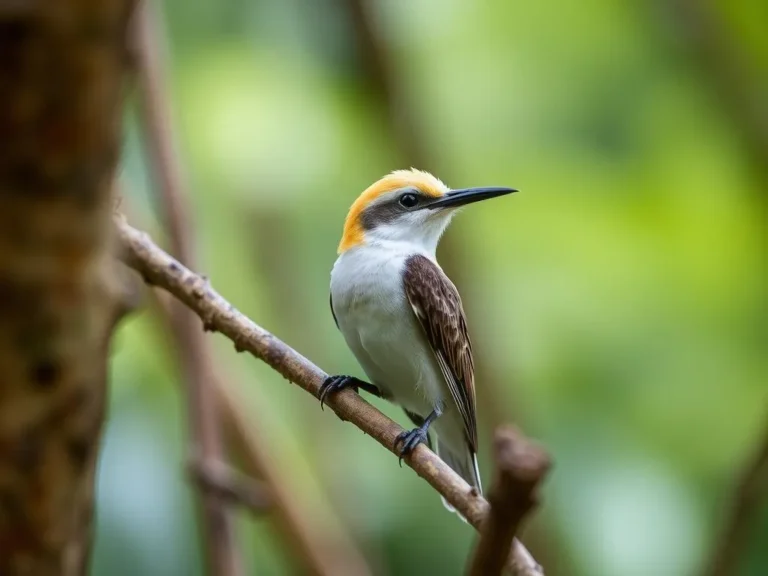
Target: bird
402	317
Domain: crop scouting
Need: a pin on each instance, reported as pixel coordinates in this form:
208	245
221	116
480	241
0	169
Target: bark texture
61	82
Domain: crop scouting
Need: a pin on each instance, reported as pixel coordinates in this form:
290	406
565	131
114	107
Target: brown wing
437	305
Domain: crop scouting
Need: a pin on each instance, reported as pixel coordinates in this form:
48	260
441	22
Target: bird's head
407	206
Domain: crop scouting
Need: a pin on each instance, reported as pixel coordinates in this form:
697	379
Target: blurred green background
618	303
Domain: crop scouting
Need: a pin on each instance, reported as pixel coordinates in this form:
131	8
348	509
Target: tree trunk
61	88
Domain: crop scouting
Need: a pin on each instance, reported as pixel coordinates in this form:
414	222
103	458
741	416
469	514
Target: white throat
417	235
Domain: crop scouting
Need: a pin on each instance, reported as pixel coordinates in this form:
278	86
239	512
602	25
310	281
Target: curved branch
520	467
158	268
309	539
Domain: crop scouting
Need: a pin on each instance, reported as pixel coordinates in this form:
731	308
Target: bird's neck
397	239
404	248
367	264
379	257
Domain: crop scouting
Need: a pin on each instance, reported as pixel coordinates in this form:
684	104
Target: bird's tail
464	464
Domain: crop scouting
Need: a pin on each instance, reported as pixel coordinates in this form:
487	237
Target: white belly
380	328
382	331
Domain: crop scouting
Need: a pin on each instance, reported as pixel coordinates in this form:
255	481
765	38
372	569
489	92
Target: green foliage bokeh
619	299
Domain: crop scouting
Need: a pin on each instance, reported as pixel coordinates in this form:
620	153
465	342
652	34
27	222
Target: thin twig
520	467
320	548
751	491
319	551
156	117
160	269
225	482
222	555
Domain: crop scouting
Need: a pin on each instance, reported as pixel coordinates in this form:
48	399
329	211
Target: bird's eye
408	200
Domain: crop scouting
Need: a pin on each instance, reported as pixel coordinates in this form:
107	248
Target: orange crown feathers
353	228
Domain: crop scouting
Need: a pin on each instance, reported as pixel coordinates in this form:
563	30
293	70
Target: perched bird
402	317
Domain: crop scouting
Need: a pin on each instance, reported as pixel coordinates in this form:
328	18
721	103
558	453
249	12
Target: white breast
380	328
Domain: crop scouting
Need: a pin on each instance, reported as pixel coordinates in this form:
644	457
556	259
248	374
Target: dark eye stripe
386	212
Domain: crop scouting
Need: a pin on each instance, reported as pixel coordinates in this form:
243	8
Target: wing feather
330	301
437	305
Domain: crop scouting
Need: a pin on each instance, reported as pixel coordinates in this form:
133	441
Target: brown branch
160	269
520	467
61	95
227	483
751	491
320	551
218	528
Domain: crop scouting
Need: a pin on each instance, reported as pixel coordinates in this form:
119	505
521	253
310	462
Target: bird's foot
409	440
340	382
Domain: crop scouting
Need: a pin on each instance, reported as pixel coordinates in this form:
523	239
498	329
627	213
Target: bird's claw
409	439
335	384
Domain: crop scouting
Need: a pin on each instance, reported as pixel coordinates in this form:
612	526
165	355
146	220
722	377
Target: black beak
465	196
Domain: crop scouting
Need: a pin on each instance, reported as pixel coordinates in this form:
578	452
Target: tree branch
218	528
321	552
520	467
160	269
751	491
